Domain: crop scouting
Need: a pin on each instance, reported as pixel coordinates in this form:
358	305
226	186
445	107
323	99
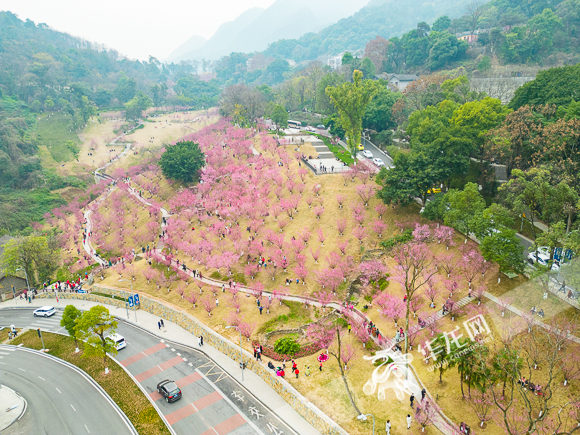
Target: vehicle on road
320	126
378	162
360	147
119	341
46	311
434	190
311	129
542	258
367	154
169	390
294	124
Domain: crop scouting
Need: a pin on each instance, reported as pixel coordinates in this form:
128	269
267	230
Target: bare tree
474	11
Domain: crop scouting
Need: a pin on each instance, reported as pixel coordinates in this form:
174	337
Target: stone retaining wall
301	405
85	297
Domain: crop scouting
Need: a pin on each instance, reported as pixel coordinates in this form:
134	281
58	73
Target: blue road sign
136	299
131	301
558	254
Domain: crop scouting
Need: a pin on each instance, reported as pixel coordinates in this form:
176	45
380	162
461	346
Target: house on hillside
335	62
401	80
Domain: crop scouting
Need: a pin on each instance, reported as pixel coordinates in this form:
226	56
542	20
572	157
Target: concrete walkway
252	382
12	406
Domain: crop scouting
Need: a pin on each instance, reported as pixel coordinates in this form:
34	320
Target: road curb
165	340
85	375
23	410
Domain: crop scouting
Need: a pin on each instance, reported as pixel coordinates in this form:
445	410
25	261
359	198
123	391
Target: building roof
404	77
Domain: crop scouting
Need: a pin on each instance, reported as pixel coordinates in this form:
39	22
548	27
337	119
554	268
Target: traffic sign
136	299
131	303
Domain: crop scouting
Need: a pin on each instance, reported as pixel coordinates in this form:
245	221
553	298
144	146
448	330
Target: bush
385	137
287	345
391	242
216	275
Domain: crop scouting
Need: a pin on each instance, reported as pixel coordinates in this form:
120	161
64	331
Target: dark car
169	390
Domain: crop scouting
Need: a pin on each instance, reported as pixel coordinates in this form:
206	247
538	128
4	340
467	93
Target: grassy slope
53	133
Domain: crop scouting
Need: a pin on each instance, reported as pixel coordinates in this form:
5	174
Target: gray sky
135	28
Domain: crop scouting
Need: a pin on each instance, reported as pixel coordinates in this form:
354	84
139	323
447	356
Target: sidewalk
12	406
252	382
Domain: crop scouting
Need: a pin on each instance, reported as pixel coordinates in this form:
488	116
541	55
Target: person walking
307	372
412	399
162	324
297	372
423	394
320	367
388	427
261	308
159	324
201	340
217	303
409	421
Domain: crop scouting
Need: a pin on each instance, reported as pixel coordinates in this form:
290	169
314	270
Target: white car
44	312
311	129
367	154
543	258
119	341
378	162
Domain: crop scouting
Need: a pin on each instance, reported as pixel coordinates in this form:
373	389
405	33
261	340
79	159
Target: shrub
432	210
216	275
287	345
391	242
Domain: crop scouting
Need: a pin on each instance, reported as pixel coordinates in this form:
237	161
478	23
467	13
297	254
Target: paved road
212	401
54	403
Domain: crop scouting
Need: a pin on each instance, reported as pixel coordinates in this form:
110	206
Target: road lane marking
21	369
172	350
4	353
88	431
58	390
3	363
73	408
42	378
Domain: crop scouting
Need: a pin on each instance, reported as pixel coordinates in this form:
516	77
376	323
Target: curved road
212	403
60	400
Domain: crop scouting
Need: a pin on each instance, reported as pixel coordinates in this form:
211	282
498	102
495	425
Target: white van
119	341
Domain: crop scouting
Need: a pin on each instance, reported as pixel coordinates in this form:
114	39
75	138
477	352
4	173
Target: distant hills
256	28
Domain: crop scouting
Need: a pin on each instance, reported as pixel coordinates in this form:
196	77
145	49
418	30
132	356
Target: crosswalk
48	323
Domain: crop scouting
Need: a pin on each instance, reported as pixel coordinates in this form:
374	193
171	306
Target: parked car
311	129
44	312
367	154
320	126
434	190
542	258
378	162
169	390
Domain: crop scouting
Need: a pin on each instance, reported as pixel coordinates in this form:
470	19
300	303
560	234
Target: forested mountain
385	18
256	28
45	71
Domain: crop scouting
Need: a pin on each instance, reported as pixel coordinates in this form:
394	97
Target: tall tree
93	327
182	161
351	100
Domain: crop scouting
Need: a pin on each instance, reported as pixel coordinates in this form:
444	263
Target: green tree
347	58
32	253
69	319
368	68
351	100
280	116
553	237
93	327
494	217
504	248
441	24
182	161
412	176
484	64
158	94
134	108
445	48
126	88
463	207
378	114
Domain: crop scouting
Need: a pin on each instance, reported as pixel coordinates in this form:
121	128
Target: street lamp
363	417
241	355
127	300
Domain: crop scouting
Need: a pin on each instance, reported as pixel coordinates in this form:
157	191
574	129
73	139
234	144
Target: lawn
53	132
117	383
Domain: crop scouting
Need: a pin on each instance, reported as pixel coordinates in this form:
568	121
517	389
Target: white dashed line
58	390
184	359
21	369
178	354
73	408
42	378
3	363
88	431
190	364
172	350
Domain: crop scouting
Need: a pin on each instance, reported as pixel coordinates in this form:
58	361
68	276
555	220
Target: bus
294	124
